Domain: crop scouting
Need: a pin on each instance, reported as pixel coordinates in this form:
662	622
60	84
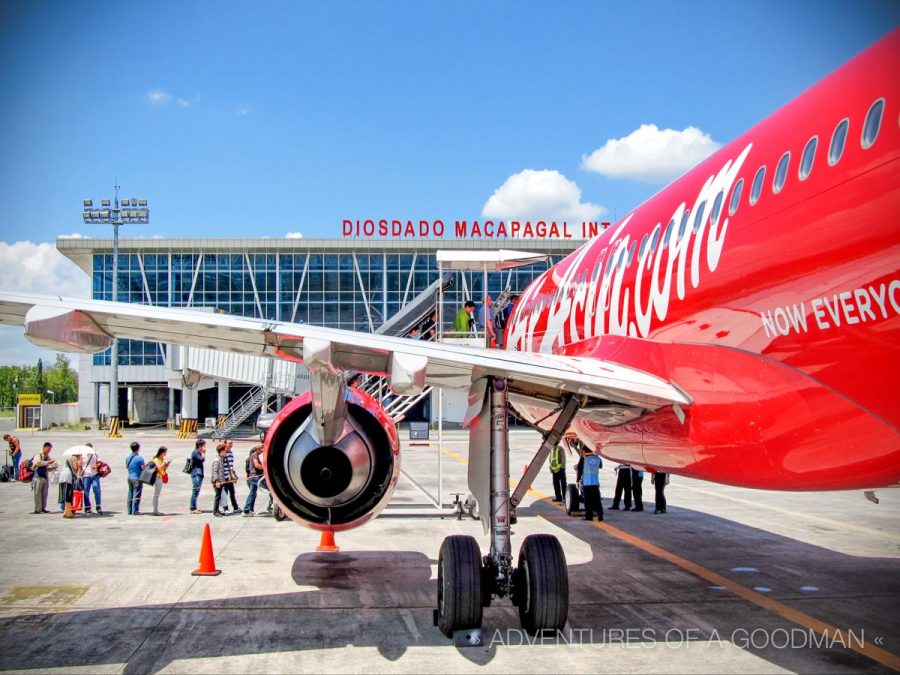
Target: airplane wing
612	393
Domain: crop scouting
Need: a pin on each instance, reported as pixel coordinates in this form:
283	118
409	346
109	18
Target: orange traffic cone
207	559
326	544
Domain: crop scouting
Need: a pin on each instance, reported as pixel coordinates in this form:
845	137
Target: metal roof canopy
487	260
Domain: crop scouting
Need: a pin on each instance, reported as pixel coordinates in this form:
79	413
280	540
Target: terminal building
352	283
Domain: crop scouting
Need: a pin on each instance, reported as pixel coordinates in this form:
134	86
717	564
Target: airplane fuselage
776	309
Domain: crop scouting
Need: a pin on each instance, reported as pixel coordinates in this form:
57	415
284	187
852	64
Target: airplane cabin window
655	239
698	219
682	228
838	138
643	248
756	190
873	124
781	172
735	197
717	208
668	233
808	157
631	252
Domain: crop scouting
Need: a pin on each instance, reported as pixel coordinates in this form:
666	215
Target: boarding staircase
413	315
248	404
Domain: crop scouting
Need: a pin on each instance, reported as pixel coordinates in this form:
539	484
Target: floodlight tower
132	211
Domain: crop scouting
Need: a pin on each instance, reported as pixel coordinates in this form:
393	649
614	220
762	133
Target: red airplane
741	326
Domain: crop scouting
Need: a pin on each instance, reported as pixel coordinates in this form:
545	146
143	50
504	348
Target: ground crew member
659	481
637	481
590	482
623	486
558	470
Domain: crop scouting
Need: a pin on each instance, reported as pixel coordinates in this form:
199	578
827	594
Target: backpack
188	465
248	464
26	470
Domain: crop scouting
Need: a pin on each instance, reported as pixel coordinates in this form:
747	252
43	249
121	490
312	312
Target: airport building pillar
223	401
188	428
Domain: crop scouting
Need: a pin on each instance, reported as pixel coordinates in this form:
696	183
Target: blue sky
289	117
264	118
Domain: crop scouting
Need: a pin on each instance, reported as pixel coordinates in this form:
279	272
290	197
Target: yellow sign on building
29	399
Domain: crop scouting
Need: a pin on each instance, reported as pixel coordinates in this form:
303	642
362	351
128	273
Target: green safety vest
557	459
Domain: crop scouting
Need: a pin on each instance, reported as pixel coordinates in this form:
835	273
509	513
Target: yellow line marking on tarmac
832	634
800	514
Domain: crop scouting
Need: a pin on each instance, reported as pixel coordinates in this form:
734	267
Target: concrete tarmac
729	580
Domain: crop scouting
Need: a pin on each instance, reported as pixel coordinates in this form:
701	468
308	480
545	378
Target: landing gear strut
539	585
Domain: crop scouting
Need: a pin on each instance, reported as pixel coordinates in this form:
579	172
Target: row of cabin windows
835	152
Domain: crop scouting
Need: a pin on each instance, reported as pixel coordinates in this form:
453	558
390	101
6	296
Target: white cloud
26	267
242	111
650	154
74	235
540	195
158	97
294	235
183	103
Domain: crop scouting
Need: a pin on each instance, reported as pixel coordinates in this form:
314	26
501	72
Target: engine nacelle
336	487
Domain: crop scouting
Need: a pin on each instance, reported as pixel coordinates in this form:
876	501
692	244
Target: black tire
542	584
278	514
573	499
459	585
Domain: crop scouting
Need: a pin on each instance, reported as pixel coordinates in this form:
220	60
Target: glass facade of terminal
341	289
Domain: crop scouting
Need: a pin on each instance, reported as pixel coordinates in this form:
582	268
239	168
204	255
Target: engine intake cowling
339	486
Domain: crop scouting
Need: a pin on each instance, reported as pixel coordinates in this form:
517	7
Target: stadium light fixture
114	214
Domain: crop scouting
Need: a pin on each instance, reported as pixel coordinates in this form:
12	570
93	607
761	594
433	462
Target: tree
60	378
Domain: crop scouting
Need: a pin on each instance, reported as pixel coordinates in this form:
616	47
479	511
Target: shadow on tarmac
353	598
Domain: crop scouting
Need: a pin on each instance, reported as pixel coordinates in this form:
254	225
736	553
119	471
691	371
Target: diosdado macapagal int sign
473	229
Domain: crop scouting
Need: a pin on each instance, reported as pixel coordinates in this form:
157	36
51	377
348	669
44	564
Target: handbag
77	500
188	465
103	469
148	473
165	478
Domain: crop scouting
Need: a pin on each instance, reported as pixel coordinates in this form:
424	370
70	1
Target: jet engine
338	486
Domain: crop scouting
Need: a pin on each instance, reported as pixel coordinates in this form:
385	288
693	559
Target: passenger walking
231	477
590	482
637	481
40	482
15	454
254	474
198	456
623	487
134	464
91	481
660	480
161	477
217	477
69	475
558	471
486	322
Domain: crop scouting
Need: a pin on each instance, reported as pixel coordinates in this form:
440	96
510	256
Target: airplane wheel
459	585
542	584
278	514
573	499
